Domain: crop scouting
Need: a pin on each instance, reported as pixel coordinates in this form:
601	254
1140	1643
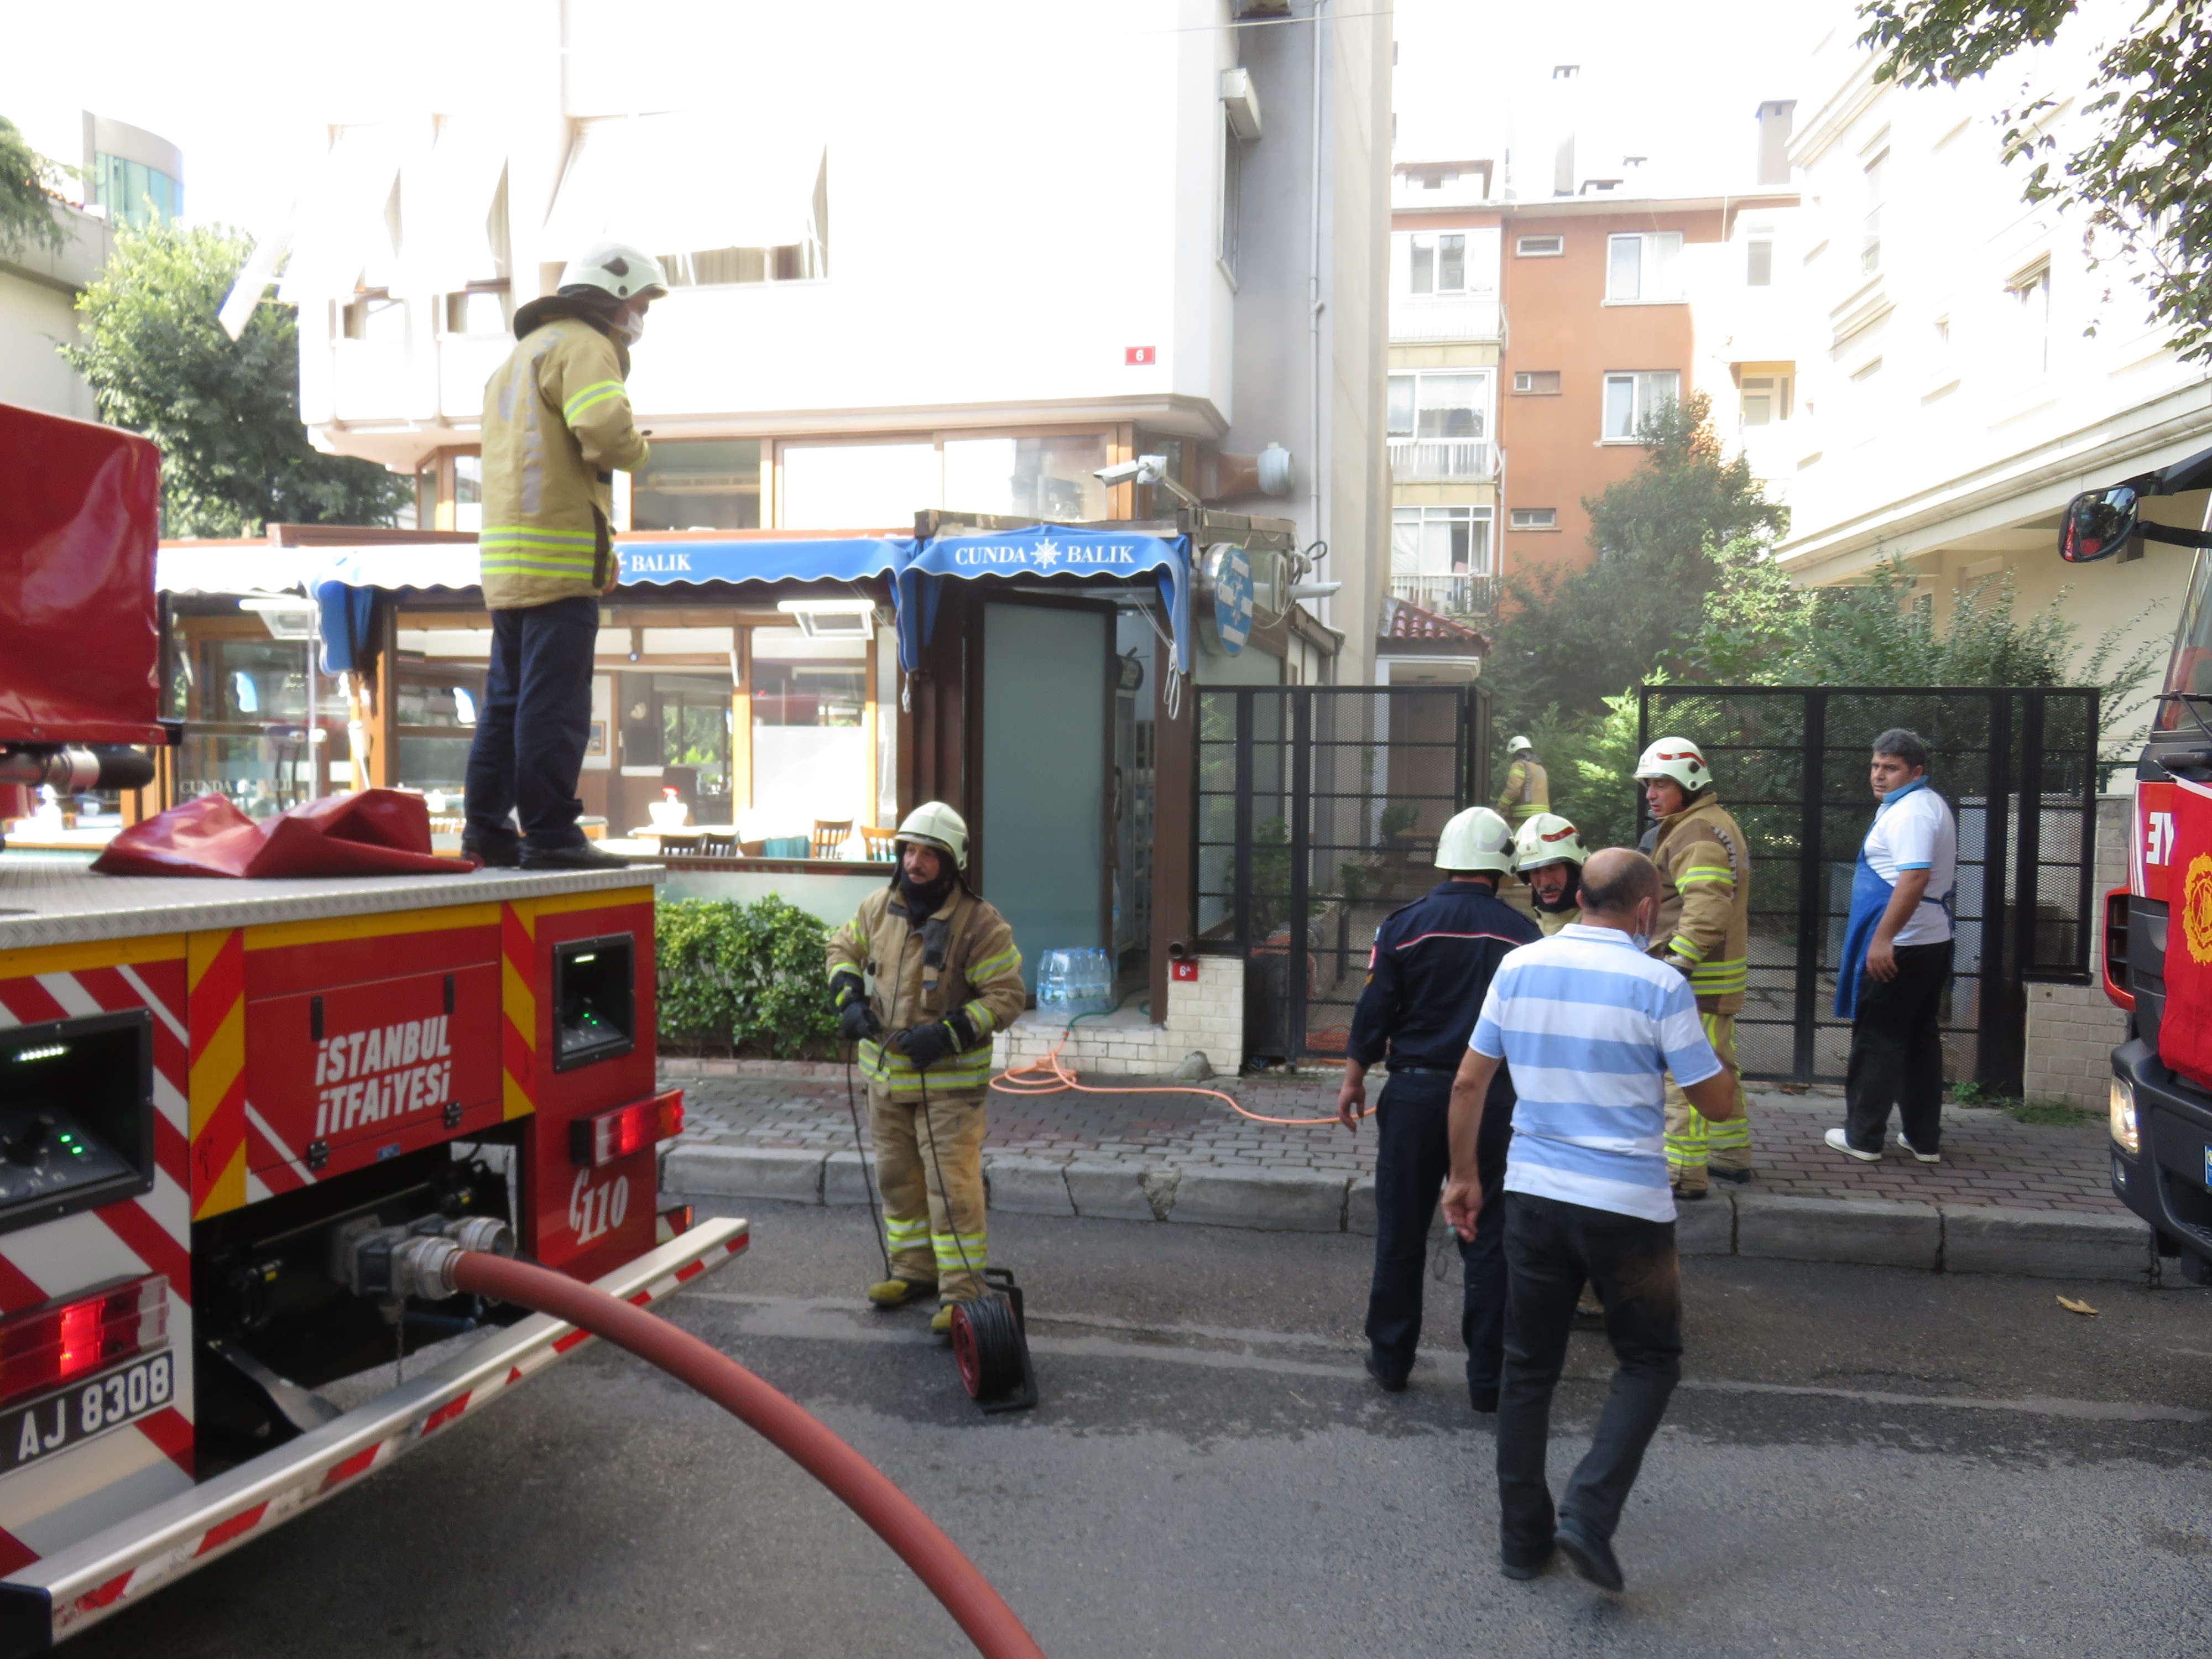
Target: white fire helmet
1476	839
1518	745
1546	838
934	823
1677	758
618	269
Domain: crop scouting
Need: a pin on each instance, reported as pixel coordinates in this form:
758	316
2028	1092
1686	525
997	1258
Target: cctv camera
1143	469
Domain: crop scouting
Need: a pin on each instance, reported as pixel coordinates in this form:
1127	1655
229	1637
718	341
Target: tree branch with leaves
28	203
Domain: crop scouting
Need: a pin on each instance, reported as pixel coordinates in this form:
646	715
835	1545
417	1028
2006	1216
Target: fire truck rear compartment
264	1290
76	1115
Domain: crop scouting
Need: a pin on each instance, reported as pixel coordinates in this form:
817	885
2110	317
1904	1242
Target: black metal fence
1318	812
2019	767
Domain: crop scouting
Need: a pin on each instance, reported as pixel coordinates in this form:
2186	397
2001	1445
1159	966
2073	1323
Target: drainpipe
1313	285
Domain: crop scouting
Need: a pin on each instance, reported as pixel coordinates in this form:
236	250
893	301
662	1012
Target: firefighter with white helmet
1548	853
922	975
1704	931
1426	978
1528	786
557	425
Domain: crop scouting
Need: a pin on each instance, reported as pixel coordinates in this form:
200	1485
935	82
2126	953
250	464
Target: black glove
925	1045
856	1020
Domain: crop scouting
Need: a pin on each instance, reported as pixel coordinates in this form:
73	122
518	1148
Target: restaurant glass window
1050	476
686	484
243	694
810	759
438	700
680	723
468	492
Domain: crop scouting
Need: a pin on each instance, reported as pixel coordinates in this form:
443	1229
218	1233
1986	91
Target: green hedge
743	979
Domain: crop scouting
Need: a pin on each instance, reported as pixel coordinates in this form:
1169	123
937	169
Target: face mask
1639	939
629	327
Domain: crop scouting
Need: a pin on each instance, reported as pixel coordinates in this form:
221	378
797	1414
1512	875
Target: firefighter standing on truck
1527	786
923	974
557	421
1702	931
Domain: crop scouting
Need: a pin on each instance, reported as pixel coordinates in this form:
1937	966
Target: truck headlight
2124	1117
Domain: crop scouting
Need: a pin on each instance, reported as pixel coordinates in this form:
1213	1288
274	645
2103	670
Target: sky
240	85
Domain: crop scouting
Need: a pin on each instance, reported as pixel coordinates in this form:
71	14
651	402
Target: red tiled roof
1404	620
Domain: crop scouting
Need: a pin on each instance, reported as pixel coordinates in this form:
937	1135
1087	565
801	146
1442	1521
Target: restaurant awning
1047	551
394	565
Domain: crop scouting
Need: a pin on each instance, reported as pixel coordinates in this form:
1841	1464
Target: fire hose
977	1608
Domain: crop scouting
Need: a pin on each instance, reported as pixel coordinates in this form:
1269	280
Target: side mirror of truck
2098	524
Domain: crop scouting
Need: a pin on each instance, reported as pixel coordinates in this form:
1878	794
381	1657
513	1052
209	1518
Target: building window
375	316
698	484
1632	399
1049	476
1455	404
1232	190
1642	267
1439	263
1438	543
468	492
1871	231
1758	261
1764	399
1535	517
478	311
133	193
2030	292
1540	247
1536	382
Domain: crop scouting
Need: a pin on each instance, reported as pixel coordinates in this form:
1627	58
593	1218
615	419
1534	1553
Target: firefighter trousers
934	1231
1695	1143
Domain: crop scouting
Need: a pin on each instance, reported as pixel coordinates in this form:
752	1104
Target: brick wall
2072	1030
1205	1016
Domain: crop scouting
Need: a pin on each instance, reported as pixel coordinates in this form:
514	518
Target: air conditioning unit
1240	103
832	619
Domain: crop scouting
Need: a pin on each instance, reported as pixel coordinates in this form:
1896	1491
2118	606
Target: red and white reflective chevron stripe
91	1580
95	1484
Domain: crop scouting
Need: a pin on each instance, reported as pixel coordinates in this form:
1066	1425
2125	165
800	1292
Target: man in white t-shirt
1896	963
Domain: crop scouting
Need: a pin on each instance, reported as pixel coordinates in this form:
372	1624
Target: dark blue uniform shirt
1428	973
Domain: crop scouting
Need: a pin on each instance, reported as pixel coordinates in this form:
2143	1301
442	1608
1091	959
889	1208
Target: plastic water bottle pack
1075	981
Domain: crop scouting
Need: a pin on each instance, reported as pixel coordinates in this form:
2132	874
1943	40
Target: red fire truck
2161	1120
230	1110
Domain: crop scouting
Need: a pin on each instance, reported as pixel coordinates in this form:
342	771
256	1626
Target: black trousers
1897	1052
1550	1248
1412	1162
533	725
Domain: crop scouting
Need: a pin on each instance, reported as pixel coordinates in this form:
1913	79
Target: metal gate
2019	767
1318	812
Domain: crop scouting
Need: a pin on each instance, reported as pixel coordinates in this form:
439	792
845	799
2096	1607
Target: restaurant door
1041	818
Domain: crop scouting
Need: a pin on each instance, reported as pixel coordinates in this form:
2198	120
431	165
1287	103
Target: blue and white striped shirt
1590	1027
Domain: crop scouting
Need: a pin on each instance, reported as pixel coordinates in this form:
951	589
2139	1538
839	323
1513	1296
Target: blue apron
1870	896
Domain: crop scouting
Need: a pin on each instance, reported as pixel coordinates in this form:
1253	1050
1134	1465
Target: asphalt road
1861	1461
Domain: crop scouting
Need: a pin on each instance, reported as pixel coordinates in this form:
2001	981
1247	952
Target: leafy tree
226	414
1567	643
27	218
2137	184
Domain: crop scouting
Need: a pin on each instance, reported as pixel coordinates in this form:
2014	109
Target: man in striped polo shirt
1591	1026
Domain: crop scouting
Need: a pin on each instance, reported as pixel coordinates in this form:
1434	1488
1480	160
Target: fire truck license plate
134	1390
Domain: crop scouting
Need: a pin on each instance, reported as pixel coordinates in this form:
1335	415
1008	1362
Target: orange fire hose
1049	1077
990	1623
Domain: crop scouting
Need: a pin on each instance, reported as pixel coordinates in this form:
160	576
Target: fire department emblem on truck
2196	908
383	1071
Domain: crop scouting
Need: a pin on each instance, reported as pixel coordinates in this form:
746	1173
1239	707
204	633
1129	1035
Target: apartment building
1530	338
1962	368
123	175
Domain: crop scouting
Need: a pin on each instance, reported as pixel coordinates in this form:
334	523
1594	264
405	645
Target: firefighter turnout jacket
1527	792
556	423
1705	901
1428	973
959	965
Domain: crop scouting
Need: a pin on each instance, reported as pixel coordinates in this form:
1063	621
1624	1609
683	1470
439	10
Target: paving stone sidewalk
1989	1159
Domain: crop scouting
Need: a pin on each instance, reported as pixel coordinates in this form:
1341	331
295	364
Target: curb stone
1275	1199
1706	1227
846	1179
1872	1232
785	1172
1116	1191
1028	1186
2038	1244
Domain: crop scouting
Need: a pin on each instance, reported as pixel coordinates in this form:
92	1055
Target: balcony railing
1444	460
1420	317
1450	596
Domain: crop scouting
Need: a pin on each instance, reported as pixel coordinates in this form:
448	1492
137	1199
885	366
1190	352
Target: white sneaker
1925	1157
1835	1139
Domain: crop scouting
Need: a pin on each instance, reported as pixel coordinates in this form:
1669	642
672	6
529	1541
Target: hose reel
990	1344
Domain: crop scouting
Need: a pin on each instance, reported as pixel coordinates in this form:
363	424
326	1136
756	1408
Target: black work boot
494	854
582	856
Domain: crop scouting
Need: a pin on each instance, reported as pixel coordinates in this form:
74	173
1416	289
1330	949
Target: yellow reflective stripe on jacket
967	1070
1685	948
1719	978
598	392
978	1016
1007	961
